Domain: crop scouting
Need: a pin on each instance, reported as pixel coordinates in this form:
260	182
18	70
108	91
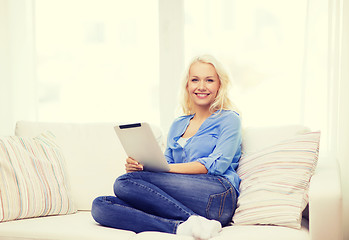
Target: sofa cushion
275	182
33	178
93	153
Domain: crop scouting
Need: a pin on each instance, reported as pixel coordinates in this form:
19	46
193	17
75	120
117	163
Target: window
98	60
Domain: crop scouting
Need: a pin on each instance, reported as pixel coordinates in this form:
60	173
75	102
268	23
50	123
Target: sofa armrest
325	202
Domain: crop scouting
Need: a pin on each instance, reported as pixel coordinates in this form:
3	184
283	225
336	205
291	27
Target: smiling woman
203	151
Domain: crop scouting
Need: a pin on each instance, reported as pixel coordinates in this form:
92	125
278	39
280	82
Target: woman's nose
201	85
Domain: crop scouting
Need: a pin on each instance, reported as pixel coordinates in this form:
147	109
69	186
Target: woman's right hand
132	165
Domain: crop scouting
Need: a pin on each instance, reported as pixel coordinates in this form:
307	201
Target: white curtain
5	82
17	64
340	11
171	58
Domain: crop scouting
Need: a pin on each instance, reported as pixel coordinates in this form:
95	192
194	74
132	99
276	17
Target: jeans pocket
219	204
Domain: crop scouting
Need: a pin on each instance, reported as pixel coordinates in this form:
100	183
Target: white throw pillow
33	180
275	181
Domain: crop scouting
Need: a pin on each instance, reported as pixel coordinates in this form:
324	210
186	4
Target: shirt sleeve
227	150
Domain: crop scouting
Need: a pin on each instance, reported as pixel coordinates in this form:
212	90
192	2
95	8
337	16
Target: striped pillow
33	180
274	182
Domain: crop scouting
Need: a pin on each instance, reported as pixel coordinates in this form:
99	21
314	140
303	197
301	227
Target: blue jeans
149	201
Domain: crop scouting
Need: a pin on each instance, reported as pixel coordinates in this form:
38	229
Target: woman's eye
210	80
194	80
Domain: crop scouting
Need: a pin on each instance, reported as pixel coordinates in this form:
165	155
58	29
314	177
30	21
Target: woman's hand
132	165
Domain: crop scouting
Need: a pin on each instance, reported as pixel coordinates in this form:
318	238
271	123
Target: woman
199	193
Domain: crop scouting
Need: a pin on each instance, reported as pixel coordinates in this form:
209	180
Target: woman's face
203	84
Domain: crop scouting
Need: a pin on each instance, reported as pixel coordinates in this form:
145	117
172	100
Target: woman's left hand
132	165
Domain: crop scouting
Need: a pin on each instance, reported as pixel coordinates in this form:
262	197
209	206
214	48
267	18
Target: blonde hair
222	101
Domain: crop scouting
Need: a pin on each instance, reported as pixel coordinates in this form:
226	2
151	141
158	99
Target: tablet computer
140	144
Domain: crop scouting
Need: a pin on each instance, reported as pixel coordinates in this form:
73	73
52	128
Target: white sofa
94	158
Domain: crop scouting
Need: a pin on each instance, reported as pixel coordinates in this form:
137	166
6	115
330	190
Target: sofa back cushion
258	138
93	153
95	157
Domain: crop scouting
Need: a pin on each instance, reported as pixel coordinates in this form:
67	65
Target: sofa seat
241	233
82	226
73	226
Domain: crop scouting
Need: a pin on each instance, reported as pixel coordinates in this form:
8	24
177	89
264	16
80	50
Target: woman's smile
202	95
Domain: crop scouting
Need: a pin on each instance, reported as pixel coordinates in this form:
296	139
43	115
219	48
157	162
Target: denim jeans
149	201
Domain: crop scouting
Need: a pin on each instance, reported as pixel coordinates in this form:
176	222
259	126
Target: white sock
199	227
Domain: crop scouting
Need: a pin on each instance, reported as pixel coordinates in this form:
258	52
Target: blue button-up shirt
217	144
